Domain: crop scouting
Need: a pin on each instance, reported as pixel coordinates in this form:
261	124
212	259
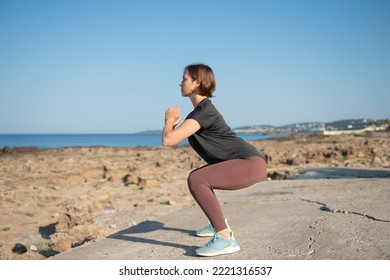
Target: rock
278	175
329	154
376	162
33	248
172	202
55	215
6	150
74	216
81	242
296	160
76	236
139	204
141	182
127	180
19	249
350	152
268	158
314	155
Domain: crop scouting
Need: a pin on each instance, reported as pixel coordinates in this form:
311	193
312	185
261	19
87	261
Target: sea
50	141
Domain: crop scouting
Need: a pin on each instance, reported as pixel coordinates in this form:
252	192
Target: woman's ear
196	83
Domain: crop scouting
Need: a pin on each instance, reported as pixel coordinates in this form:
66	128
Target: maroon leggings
227	175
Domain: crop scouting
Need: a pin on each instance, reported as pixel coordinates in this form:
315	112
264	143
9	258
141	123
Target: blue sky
115	66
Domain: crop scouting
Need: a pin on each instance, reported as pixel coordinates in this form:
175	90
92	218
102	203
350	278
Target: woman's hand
172	116
173	136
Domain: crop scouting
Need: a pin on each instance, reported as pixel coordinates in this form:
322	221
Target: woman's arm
172	136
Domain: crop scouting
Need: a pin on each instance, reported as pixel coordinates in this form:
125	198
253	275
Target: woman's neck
196	99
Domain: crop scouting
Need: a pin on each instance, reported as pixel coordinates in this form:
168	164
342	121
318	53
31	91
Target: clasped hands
172	116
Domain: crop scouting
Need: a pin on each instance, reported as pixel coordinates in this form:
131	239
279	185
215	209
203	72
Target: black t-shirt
215	141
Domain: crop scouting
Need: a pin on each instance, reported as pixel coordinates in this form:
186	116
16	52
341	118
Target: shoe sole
228	250
205	234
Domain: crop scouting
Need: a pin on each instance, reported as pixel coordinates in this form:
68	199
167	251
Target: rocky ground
57	199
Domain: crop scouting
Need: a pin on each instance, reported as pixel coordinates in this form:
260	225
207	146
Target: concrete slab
276	220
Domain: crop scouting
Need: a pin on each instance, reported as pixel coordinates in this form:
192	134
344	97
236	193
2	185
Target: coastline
123	140
54	200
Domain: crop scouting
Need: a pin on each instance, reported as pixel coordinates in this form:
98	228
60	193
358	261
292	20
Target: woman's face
188	85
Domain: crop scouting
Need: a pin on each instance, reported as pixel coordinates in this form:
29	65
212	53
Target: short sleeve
205	114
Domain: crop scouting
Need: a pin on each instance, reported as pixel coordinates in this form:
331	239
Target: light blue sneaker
219	246
209	231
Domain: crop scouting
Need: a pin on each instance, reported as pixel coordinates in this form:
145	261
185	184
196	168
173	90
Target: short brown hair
205	76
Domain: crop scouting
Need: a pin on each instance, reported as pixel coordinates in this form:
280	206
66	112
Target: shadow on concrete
151	226
340	173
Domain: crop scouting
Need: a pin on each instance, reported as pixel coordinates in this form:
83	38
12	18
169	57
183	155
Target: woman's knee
195	181
191	180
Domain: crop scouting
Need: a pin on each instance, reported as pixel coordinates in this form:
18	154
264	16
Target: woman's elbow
166	142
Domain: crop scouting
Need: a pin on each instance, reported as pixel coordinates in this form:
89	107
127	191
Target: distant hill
316	127
306	127
149	132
